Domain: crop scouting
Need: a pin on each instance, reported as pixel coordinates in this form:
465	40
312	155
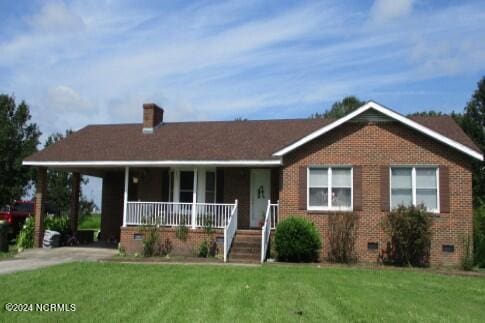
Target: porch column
40	196
125	195
74	214
194	200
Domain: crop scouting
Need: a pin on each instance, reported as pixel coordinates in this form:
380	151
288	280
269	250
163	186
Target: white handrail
270	221
230	230
274	214
266	232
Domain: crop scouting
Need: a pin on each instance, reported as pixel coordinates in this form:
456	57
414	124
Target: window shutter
444	189
385	188
357	187
220	185
302	187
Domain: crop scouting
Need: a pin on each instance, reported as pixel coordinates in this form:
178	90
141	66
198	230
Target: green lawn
205	293
90	222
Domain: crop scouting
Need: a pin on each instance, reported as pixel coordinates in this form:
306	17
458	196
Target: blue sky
84	62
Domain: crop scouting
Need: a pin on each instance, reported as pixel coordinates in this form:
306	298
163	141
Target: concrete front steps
246	247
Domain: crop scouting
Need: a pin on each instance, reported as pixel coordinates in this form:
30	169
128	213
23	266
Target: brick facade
369	148
372	146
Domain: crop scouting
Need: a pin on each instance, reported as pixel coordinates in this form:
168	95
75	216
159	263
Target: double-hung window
329	188
415	186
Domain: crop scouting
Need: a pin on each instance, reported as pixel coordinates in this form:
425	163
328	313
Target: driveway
37	258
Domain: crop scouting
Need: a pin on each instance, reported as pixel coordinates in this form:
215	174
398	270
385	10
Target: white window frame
199	183
413	184
329	207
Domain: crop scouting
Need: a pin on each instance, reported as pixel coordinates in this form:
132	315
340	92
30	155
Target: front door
260	194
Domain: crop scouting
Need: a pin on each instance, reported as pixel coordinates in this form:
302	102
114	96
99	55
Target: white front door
260	194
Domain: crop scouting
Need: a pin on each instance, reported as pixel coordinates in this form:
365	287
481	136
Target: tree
429	113
19	138
473	123
59	183
340	108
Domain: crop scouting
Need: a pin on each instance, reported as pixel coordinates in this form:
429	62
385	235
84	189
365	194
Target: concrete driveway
37	258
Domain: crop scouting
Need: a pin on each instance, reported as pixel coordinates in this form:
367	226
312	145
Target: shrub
342	233
467	261
151	241
208	226
409	229
166	247
204	249
57	223
297	240
181	232
25	238
479	236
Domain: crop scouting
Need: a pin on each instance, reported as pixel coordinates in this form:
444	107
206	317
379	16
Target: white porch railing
269	224
273	211
230	230
175	214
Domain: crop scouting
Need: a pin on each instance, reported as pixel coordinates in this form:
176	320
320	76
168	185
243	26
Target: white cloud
220	61
383	11
56	17
64	99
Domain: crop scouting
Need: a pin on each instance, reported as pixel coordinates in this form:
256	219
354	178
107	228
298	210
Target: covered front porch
197	197
222	198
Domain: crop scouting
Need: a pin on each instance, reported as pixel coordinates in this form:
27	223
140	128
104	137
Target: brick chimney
152	117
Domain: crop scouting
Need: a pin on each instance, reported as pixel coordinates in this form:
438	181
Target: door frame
251	190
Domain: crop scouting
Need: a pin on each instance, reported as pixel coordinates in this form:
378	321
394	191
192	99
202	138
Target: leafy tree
429	113
59	184
340	108
473	123
18	139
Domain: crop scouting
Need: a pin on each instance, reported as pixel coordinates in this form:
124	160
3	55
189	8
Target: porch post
40	196
75	188
194	200
125	194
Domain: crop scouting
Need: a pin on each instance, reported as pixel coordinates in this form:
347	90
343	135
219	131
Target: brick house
244	176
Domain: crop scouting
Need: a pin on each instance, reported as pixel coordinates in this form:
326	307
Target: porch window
329	188
186	186
415	186
210	187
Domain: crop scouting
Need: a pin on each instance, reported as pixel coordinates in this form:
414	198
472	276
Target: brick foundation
189	247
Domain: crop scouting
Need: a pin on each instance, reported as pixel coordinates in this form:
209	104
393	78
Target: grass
12	251
90	222
272	293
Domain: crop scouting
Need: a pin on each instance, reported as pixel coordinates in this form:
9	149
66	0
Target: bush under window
409	229
297	240
342	231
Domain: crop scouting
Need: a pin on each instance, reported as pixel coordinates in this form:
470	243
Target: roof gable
388	113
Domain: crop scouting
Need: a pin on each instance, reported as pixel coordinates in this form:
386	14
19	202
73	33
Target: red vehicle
16	214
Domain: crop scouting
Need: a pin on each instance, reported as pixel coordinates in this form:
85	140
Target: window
329	188
186	186
415	186
210	187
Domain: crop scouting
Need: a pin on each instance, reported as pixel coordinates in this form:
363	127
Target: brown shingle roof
446	126
216	140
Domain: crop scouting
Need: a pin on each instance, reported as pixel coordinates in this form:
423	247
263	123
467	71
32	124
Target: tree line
20	138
